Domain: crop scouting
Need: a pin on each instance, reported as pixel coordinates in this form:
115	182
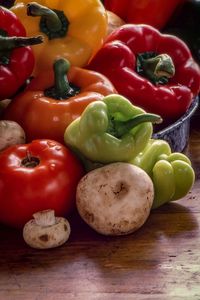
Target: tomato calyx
30	161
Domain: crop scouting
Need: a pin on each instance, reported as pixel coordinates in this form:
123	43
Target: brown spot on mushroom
65	227
102	186
44	237
121	189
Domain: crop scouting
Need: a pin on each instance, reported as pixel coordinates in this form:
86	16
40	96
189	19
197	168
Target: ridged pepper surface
171	173
155	71
110	130
16	56
72	29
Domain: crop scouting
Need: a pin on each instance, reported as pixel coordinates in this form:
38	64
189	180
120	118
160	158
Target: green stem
157	68
9	43
122	127
52	20
62	88
53	23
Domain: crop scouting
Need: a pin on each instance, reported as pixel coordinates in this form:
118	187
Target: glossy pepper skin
153	12
54	99
110	130
171	173
76	38
37	176
16	57
165	83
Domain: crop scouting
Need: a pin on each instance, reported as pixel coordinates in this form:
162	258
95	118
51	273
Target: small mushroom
46	231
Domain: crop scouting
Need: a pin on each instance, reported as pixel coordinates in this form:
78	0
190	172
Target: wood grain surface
159	261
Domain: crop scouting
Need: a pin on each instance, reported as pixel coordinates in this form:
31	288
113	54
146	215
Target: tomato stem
30	161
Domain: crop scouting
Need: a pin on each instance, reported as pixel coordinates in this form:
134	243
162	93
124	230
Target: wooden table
159	261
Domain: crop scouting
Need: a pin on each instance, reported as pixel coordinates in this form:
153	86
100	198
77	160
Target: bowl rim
192	108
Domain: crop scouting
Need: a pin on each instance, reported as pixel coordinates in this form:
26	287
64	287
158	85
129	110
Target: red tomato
37	176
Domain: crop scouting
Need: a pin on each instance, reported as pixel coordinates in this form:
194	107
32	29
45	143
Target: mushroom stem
46	231
45	218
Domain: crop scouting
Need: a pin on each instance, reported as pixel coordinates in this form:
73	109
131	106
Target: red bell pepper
153	12
16	56
34	177
153	70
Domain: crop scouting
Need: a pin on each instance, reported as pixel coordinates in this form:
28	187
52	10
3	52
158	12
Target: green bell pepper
110	130
171	173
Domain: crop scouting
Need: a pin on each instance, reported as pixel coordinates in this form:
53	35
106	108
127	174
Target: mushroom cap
44	237
11	133
115	199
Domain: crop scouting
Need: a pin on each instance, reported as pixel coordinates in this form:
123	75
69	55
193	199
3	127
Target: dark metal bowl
177	133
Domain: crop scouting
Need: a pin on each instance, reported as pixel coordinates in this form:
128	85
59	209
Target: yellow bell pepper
72	29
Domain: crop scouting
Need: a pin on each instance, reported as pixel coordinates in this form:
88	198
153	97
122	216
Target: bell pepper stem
62	87
157	68
8	43
122	127
52	20
161	65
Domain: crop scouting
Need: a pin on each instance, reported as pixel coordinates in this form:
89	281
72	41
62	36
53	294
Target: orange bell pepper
45	108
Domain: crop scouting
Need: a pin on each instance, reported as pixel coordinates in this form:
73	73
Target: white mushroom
11	133
115	199
46	231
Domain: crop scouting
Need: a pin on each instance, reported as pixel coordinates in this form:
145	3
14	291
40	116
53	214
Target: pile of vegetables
80	95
